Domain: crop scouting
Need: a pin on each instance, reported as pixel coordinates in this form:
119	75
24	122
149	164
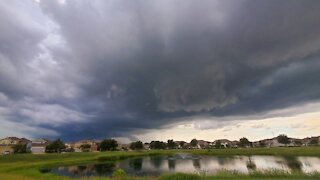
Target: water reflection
251	165
156	165
196	164
293	163
105	168
171	164
156	161
136	163
225	160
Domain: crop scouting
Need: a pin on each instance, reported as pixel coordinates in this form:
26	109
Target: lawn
26	166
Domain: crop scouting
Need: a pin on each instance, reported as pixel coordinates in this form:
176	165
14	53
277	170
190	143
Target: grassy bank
26	166
236	175
283	151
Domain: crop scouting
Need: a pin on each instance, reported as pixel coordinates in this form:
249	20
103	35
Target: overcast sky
159	69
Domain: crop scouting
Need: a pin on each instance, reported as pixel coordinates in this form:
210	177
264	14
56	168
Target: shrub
118	173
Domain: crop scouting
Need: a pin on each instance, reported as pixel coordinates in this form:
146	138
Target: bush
118	173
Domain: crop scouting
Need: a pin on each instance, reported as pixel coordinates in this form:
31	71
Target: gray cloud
109	68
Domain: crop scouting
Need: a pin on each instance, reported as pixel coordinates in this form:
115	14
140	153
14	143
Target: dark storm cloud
120	66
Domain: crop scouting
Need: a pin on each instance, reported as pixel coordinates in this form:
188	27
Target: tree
20	148
218	144
194	142
158	145
136	145
108	145
244	142
55	146
85	147
283	139
171	144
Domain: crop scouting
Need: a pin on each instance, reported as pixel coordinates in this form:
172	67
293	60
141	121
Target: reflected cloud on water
155	165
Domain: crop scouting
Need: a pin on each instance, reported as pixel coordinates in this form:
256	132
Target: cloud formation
110	68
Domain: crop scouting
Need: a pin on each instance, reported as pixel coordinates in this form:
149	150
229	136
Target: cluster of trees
194	143
170	144
108	145
20	148
158	145
136	145
244	142
56	146
283	139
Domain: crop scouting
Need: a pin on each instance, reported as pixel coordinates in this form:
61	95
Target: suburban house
182	144
146	146
261	143
203	144
77	146
39	145
234	144
273	142
123	146
7	144
225	143
306	141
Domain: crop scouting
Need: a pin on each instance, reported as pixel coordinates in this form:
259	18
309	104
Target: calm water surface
155	165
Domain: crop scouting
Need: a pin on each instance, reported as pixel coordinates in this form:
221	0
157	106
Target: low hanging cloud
110	68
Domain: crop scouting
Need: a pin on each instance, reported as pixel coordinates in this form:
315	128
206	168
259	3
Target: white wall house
39	145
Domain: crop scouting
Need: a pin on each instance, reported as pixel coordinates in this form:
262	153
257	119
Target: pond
156	165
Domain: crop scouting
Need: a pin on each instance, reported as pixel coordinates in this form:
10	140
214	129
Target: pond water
156	165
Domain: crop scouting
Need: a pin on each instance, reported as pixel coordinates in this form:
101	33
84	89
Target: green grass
236	175
281	151
26	166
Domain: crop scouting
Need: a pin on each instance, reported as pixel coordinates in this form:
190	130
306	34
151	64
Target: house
39	145
260	143
234	144
7	144
181	144
311	141
296	141
225	143
10	141
123	146
203	144
273	142
146	146
77	146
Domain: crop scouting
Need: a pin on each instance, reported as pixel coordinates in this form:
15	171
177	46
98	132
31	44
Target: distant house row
292	142
200	144
9	144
